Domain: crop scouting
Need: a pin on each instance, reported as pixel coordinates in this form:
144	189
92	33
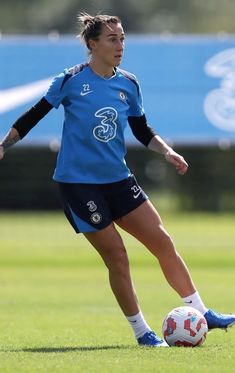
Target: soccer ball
184	326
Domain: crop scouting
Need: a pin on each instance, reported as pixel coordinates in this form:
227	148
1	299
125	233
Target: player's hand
177	160
1	152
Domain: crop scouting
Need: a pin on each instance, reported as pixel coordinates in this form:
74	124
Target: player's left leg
145	224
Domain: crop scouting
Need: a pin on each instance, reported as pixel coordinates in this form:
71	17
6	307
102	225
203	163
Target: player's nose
120	45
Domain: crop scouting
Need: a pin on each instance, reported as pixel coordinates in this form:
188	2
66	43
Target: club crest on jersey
122	96
107	128
91	206
96	218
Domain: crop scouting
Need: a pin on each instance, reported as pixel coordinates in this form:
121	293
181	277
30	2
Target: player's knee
118	261
163	244
164	237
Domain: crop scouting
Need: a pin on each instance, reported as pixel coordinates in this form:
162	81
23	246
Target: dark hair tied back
91	26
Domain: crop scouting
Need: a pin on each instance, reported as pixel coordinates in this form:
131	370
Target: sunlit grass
59	315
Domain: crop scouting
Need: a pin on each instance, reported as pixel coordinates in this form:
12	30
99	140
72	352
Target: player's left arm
147	136
158	145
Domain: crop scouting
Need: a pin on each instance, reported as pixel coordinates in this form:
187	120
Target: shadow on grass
68	349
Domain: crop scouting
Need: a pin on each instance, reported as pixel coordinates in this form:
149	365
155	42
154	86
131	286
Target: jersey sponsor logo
91	206
136	191
107	129
96	218
85	90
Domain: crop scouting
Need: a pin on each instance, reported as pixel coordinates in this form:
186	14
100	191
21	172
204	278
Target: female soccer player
98	190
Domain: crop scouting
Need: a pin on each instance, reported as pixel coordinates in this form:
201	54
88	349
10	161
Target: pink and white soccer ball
184	326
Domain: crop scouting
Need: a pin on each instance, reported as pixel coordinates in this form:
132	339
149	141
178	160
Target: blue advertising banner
188	84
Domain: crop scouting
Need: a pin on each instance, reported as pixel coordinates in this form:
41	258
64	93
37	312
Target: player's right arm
10	139
30	118
24	124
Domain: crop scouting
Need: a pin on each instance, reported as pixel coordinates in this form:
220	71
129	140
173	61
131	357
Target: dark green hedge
26	178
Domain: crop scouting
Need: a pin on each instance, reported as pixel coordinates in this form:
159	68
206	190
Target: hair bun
85	18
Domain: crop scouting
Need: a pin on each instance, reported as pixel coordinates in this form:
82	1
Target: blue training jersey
96	114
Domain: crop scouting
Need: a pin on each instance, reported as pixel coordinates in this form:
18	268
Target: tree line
149	16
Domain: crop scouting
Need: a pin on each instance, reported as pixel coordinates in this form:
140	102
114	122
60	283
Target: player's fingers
179	162
183	167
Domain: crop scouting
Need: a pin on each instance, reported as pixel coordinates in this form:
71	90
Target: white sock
194	300
138	324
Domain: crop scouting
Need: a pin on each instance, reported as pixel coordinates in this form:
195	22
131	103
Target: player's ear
92	44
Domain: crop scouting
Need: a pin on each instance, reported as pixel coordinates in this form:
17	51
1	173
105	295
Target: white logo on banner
13	97
219	104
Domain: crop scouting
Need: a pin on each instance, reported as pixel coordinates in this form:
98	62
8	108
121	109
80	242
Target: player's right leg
88	212
109	245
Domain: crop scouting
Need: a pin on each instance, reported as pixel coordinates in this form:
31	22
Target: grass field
57	312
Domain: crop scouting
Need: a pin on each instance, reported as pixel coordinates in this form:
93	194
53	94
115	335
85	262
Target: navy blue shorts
91	207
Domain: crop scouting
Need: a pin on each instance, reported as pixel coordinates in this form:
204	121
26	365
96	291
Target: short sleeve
55	93
136	101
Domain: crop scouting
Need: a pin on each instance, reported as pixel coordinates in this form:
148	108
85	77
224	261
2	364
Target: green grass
57	313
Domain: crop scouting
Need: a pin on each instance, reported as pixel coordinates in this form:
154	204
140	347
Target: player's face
108	49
